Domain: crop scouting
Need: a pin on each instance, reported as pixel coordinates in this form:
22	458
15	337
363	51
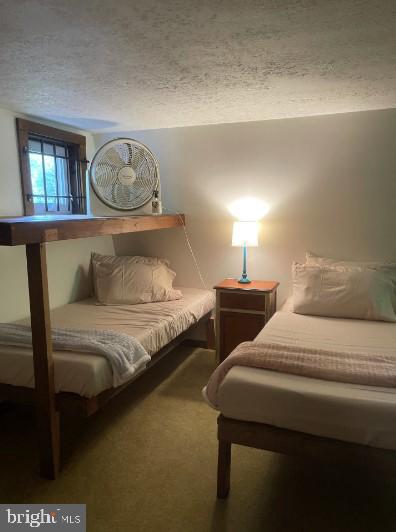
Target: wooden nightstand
241	312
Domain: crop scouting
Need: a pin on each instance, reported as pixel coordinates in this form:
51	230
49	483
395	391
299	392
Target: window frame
77	164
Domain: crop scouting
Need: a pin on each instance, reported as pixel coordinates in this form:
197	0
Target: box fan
125	174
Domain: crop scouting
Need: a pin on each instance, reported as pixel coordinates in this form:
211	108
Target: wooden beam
38	229
47	415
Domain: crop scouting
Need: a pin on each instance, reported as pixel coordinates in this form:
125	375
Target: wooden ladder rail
47	414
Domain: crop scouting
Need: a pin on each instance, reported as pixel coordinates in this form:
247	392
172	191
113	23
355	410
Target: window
53	166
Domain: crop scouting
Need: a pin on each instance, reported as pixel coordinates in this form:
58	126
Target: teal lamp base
244	279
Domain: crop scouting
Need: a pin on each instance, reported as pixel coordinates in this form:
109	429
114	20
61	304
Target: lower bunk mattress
153	324
349	412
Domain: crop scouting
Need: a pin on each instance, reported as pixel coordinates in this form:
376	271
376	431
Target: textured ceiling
145	64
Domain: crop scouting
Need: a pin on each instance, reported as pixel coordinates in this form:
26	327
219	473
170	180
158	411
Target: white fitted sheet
153	324
349	412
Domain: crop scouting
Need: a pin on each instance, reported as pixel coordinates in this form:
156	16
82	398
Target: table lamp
245	234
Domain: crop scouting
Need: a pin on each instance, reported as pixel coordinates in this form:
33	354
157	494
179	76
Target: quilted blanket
124	353
348	367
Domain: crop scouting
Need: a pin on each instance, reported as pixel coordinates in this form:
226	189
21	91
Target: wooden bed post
47	415
223	465
223	469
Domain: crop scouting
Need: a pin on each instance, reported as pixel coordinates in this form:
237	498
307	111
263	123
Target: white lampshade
245	233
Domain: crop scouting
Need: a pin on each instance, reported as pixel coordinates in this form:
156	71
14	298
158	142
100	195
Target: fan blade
113	157
131	150
123	152
105	174
138	155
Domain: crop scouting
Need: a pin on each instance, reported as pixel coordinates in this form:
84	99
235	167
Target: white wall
68	261
330	181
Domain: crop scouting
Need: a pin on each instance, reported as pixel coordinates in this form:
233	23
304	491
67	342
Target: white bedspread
125	354
350	412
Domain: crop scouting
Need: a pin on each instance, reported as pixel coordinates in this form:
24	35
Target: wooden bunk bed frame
33	232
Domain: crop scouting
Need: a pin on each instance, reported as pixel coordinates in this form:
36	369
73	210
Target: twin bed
154	325
296	414
84	381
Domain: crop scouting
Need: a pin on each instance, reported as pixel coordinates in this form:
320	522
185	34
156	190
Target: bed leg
223	469
47	414
210	334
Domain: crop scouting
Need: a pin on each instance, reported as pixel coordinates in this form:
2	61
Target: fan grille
124	174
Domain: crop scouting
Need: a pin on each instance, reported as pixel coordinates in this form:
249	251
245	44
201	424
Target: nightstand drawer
242	301
237	328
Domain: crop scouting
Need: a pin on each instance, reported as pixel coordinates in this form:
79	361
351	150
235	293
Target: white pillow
344	292
132	280
316	260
